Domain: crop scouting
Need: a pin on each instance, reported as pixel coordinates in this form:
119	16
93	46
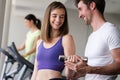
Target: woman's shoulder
39	41
38	31
67	36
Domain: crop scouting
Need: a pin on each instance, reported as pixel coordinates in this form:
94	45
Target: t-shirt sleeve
113	39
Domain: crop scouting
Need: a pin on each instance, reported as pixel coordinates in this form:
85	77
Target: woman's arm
33	49
69	49
36	64
22	46
35	71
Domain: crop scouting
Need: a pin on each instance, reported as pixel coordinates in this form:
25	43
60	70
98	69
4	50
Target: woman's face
57	18
27	23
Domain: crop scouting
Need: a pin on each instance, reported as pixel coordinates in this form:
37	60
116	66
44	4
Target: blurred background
12	28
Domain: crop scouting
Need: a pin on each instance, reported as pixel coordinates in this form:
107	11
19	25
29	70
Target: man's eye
54	16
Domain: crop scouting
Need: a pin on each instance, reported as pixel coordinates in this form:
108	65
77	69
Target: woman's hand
24	55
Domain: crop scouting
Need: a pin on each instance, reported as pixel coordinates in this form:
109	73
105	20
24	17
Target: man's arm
110	69
82	68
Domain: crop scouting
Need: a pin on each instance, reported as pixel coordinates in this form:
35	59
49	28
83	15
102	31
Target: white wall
114	18
17	29
79	30
2	13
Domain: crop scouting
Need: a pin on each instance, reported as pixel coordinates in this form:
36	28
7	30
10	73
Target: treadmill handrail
18	57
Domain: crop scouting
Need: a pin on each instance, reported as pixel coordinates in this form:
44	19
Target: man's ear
92	5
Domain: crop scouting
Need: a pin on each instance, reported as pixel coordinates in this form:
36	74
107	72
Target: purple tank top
48	57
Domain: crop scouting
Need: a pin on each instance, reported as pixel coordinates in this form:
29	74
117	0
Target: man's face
84	13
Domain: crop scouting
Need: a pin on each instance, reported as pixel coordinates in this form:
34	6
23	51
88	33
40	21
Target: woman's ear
31	21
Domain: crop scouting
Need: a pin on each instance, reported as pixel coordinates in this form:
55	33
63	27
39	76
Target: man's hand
77	64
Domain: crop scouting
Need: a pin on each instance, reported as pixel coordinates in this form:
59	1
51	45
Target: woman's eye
62	17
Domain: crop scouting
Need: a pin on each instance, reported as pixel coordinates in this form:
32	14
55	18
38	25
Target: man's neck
97	22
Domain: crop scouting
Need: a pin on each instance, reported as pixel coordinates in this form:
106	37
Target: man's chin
87	23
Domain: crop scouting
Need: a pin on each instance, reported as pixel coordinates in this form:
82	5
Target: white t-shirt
98	49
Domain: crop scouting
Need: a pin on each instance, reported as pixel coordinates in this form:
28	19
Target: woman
55	41
32	36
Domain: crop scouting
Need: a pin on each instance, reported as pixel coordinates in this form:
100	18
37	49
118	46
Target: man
103	46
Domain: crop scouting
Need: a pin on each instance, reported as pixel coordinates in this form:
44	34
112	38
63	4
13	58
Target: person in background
103	45
55	41
32	36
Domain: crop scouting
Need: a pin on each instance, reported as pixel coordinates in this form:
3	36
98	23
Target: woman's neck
54	34
33	28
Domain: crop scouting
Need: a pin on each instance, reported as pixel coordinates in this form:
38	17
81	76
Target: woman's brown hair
46	27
